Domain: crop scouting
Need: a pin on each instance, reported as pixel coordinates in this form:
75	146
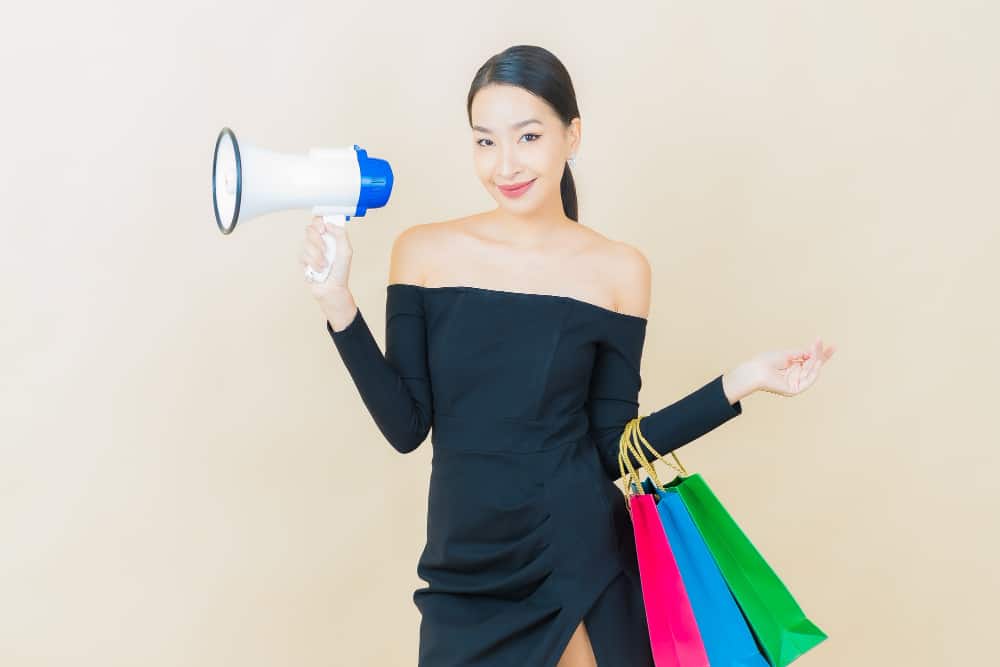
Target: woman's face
507	150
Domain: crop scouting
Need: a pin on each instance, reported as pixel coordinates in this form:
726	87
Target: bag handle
656	455
627	443
631	479
624	446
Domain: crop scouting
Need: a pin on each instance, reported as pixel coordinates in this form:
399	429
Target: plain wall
187	473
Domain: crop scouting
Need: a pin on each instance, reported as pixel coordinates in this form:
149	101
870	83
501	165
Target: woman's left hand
790	372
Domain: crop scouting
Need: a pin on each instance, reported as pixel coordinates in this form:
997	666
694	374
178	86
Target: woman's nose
508	163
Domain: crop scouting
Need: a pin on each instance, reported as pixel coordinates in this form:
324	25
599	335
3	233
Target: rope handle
628	442
656	455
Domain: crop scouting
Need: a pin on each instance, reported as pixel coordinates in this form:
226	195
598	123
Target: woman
517	334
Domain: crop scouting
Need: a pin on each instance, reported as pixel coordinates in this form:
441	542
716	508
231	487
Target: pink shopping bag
673	631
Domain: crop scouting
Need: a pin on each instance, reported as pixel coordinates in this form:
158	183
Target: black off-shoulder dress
527	532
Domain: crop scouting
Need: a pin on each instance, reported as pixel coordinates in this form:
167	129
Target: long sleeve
614	400
395	388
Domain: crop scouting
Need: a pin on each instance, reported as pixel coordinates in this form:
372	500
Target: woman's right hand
331	292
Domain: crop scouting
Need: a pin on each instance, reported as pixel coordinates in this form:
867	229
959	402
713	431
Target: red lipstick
517	189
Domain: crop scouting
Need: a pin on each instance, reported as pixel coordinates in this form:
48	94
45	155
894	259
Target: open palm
790	372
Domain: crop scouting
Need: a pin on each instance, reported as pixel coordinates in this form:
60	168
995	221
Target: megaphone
336	183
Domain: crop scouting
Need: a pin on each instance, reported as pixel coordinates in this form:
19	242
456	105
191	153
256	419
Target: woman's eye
480	142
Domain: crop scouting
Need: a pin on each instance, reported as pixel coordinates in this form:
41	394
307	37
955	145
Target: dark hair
539	72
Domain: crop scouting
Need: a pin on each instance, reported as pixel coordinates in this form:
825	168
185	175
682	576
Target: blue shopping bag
728	639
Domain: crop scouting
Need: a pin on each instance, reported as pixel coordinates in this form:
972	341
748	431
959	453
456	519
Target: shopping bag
728	639
674	638
780	627
725	634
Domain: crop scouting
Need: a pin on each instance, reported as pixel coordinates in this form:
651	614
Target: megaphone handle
330	253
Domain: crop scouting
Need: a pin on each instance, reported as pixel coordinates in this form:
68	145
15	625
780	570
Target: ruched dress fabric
526	396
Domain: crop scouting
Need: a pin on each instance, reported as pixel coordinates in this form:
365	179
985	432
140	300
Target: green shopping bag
780	626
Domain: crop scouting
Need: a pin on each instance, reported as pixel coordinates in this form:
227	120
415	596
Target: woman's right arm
395	388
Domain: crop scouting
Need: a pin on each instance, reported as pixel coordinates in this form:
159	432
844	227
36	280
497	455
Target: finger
808	366
807	380
799	352
796	359
807	375
793	378
791	356
815	371
307	257
315	257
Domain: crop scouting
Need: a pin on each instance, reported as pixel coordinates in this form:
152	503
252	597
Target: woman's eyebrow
513	127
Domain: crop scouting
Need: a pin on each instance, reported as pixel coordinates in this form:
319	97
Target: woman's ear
573	133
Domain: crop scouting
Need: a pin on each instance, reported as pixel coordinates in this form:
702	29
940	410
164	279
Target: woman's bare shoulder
631	275
414	248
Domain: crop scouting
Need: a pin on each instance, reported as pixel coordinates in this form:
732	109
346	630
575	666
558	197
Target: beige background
187	474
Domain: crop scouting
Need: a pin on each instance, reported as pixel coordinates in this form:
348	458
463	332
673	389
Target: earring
572	160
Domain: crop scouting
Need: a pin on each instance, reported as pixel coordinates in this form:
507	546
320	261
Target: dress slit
567	632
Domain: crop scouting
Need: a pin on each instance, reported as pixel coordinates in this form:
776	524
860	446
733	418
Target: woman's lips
517	190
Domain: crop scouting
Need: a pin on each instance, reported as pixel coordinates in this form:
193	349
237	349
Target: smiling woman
522	361
528	559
